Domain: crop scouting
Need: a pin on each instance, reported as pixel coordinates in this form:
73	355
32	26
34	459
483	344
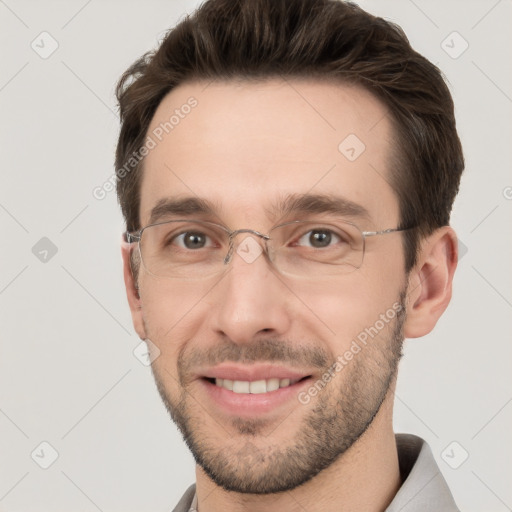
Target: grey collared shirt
423	490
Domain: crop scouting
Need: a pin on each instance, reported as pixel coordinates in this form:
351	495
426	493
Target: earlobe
430	282
132	291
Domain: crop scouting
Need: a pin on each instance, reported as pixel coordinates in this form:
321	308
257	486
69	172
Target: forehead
245	145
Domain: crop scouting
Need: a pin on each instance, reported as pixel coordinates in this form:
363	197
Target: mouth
254	387
252	390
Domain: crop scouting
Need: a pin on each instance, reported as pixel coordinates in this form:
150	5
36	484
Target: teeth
272	384
254	387
258	386
241	386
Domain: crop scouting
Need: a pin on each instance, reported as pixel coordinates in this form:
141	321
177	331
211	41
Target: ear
430	282
132	291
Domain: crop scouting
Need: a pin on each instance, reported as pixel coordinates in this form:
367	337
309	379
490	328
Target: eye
192	240
319	238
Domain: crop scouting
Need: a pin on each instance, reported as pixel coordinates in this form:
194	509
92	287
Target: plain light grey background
68	375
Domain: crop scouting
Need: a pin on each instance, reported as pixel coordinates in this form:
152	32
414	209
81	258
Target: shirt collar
423	487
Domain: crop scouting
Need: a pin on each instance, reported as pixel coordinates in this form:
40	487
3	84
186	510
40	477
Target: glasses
194	249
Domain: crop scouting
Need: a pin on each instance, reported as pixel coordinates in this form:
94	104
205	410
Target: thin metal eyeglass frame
137	236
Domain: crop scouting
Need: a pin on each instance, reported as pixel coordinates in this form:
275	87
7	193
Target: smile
254	387
252	390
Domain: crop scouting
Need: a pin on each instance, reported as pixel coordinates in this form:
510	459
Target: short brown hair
319	39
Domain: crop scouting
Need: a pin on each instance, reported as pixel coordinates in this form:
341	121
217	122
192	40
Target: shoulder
186	500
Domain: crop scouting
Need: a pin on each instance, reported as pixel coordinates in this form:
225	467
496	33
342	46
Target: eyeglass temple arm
385	231
131	238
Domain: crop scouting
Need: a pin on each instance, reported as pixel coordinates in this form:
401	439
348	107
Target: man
286	170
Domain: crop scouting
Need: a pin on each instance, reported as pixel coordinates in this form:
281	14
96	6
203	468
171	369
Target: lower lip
248	404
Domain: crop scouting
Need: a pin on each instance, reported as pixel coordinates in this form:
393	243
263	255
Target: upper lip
252	372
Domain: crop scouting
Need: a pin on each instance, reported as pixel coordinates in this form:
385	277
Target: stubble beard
343	411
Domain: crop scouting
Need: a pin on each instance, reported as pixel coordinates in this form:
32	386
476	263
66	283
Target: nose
251	300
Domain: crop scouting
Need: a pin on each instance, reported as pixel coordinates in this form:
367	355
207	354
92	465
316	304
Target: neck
366	477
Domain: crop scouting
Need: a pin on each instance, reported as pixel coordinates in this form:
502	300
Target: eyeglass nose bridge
232	235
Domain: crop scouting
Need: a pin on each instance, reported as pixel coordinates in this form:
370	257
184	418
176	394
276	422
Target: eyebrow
317	204
293	204
183	207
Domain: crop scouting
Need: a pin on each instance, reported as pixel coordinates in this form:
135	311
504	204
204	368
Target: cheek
344	308
348	311
171	317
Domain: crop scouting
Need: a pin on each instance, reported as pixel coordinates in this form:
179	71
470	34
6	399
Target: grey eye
192	240
318	238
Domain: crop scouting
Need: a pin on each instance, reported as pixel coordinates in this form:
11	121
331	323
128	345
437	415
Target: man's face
246	148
